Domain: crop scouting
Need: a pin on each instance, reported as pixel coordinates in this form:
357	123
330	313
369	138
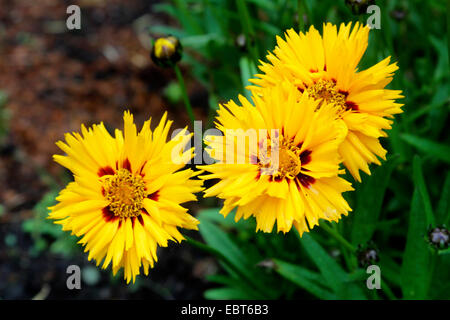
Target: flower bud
367	255
166	51
439	237
359	6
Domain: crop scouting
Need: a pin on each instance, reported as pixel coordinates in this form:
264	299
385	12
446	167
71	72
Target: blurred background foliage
394	209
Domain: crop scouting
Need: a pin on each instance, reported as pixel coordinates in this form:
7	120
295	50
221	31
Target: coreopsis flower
125	199
326	68
278	160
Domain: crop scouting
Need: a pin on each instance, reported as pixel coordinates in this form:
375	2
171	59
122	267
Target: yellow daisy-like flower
125	200
326	68
278	160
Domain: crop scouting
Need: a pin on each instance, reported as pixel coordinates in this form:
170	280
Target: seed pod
166	51
359	6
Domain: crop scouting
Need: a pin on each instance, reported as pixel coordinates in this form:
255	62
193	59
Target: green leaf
420	184
332	272
226	294
440	289
216	238
237	284
443	207
390	269
415	271
248	70
200	41
308	280
220	241
431	148
368	206
329	268
187	18
214	215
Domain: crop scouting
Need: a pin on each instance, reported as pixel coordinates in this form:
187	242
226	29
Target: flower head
125	199
325	67
166	52
278	160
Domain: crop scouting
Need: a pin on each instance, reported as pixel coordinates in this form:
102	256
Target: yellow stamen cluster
289	163
326	90
125	192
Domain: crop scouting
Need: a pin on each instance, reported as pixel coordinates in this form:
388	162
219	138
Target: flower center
125	192
326	90
289	163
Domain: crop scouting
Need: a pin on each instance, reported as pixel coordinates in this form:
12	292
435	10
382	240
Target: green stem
187	104
337	237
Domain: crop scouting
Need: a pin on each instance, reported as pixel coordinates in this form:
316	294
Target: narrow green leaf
186	18
226	294
368	206
390	269
431	148
415	271
245	18
308	280
443	208
421	186
213	215
332	272
237	284
248	70
199	42
220	241
328	267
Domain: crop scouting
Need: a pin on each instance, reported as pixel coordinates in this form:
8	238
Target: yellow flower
278	160
326	68
125	200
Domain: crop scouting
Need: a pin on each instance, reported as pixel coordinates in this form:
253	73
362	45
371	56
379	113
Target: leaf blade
430	147
416	257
